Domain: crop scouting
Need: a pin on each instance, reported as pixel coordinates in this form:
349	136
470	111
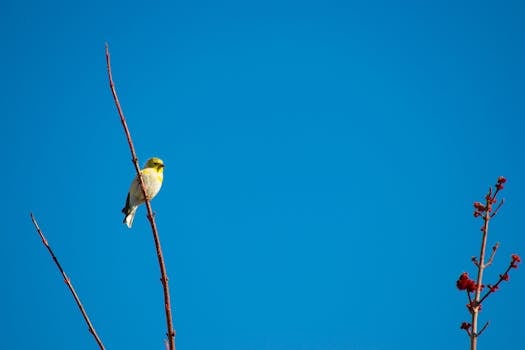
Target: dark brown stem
483	328
495	287
164	277
469	298
69	284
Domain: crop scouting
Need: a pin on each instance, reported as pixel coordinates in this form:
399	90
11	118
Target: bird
152	175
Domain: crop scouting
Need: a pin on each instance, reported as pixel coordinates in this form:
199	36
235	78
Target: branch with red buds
486	211
504	277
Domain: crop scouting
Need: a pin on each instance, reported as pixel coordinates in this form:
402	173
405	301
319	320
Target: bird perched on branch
152	175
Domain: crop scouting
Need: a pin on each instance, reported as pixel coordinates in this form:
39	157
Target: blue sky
321	163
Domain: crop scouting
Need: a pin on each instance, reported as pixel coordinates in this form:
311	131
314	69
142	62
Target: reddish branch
69	284
486	211
503	277
164	277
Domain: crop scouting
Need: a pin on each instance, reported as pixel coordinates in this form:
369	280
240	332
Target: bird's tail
130	215
129	212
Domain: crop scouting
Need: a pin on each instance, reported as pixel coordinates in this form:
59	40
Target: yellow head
155	163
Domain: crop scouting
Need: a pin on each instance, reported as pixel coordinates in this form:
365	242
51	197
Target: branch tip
150	215
69	285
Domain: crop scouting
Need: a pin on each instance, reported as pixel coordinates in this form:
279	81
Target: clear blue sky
321	163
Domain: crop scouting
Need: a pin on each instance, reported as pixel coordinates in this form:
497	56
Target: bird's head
155	163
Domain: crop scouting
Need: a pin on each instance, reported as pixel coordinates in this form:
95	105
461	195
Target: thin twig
491	258
164	277
483	328
69	284
496	286
498	207
489	194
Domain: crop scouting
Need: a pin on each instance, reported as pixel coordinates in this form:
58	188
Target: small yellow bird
152	174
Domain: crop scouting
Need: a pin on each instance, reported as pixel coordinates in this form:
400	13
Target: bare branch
491	258
164	278
483	328
501	202
69	284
